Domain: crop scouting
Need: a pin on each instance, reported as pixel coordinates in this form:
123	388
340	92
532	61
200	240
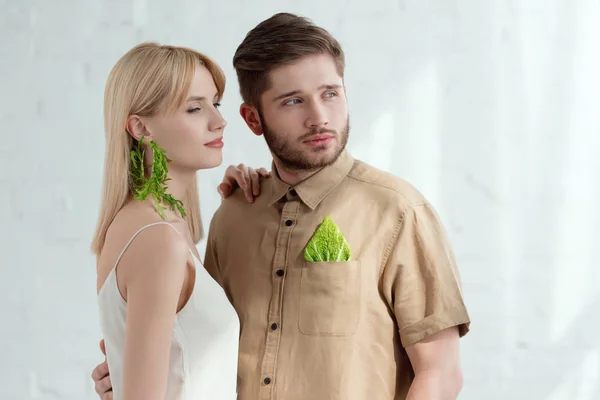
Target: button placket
289	215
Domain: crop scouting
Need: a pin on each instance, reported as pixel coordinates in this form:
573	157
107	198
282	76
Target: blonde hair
145	78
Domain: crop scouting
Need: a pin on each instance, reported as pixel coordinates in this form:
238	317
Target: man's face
304	114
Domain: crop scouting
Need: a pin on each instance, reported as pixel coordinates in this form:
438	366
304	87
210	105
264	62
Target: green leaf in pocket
327	244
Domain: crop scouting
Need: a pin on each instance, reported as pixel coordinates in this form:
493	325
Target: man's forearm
435	386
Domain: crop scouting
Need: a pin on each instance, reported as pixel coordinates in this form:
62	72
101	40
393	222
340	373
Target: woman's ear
136	128
252	118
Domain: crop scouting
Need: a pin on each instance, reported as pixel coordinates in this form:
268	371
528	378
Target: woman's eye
193	110
330	94
217	105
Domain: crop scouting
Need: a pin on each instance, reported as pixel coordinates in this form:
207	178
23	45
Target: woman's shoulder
142	236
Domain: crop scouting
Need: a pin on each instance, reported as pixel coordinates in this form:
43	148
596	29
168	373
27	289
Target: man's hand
102	378
248	179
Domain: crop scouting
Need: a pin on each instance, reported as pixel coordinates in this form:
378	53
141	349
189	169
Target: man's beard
294	159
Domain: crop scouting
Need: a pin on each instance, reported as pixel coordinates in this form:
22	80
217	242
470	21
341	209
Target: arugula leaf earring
155	185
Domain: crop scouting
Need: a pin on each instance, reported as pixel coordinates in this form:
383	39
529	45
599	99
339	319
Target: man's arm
422	285
211	261
249	180
436	363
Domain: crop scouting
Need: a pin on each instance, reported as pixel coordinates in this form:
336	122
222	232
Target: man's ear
136	127
252	119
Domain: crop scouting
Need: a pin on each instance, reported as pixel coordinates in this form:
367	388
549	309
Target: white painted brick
490	108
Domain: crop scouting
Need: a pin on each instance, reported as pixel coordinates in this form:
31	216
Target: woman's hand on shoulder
246	178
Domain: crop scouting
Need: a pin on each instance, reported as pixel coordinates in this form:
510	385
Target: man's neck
292	176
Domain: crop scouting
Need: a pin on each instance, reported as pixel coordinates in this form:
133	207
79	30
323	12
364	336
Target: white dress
204	346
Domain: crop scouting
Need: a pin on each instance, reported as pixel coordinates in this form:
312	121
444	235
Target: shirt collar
314	189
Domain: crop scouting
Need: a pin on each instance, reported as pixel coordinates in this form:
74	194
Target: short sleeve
420	278
211	260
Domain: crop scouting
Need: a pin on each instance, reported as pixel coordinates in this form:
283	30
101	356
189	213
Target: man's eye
291	102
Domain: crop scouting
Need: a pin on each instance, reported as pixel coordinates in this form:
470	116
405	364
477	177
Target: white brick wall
490	107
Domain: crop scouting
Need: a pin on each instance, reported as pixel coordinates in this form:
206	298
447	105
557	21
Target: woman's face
191	135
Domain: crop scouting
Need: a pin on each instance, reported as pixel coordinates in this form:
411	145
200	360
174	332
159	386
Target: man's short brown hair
282	39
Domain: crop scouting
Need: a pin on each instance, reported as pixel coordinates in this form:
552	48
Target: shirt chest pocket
329	302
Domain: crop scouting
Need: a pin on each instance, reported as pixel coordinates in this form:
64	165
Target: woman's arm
153	275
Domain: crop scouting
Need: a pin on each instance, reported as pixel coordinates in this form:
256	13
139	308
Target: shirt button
273	327
280	272
267	381
289	222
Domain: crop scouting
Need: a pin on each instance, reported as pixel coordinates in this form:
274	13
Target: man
384	324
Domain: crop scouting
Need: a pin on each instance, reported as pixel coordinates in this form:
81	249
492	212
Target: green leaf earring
154	186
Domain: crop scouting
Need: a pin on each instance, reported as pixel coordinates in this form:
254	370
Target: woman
169	329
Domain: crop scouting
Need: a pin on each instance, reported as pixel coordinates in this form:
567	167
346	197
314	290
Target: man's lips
319	140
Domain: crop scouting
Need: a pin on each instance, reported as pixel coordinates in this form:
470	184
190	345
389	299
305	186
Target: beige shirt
334	330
